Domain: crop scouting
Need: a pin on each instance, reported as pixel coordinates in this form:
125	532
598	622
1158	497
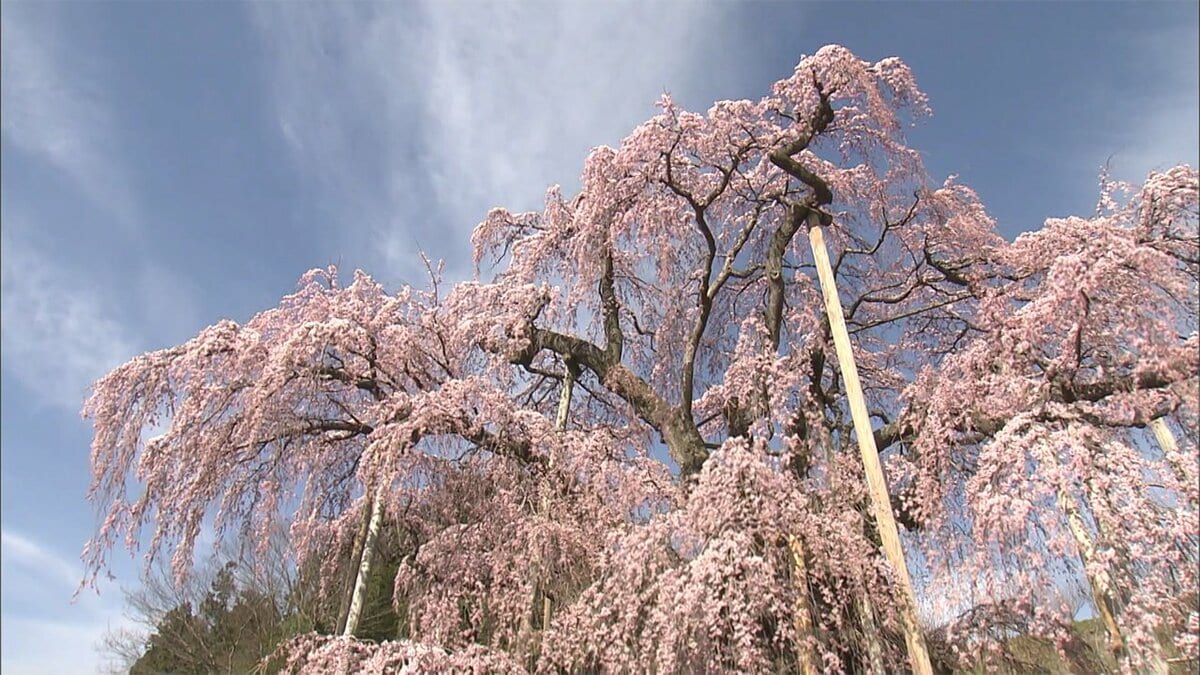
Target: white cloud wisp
44	632
58	336
414	119
53	110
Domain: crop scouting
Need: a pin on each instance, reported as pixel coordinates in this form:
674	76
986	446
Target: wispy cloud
62	326
58	335
1158	126
37	646
1149	121
53	109
414	119
43	631
30	556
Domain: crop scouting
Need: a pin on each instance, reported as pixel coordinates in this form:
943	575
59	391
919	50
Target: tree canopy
626	445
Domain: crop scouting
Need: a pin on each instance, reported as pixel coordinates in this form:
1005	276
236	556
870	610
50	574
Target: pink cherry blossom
1012	386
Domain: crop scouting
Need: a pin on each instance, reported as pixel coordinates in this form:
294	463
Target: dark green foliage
230	632
241	618
379	621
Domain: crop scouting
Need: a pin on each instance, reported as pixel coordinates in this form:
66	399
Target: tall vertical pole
1164	436
356	557
885	522
564	398
1098	582
802	620
358	598
560	425
1166	441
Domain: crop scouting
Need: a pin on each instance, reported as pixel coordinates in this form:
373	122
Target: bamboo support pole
1164	436
564	399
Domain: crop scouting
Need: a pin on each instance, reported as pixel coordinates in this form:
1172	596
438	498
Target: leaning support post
805	654
885	522
873	645
564	398
1164	435
356	557
560	425
1166	441
358	598
1098	582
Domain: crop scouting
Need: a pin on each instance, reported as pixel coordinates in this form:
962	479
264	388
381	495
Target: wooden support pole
356	558
560	425
885	521
802	619
564	398
1098	583
873	646
1170	448
358	598
1164	436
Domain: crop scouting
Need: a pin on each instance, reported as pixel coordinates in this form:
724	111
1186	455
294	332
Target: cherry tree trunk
885	522
358	598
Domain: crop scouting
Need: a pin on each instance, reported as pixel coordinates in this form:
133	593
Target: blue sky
167	165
